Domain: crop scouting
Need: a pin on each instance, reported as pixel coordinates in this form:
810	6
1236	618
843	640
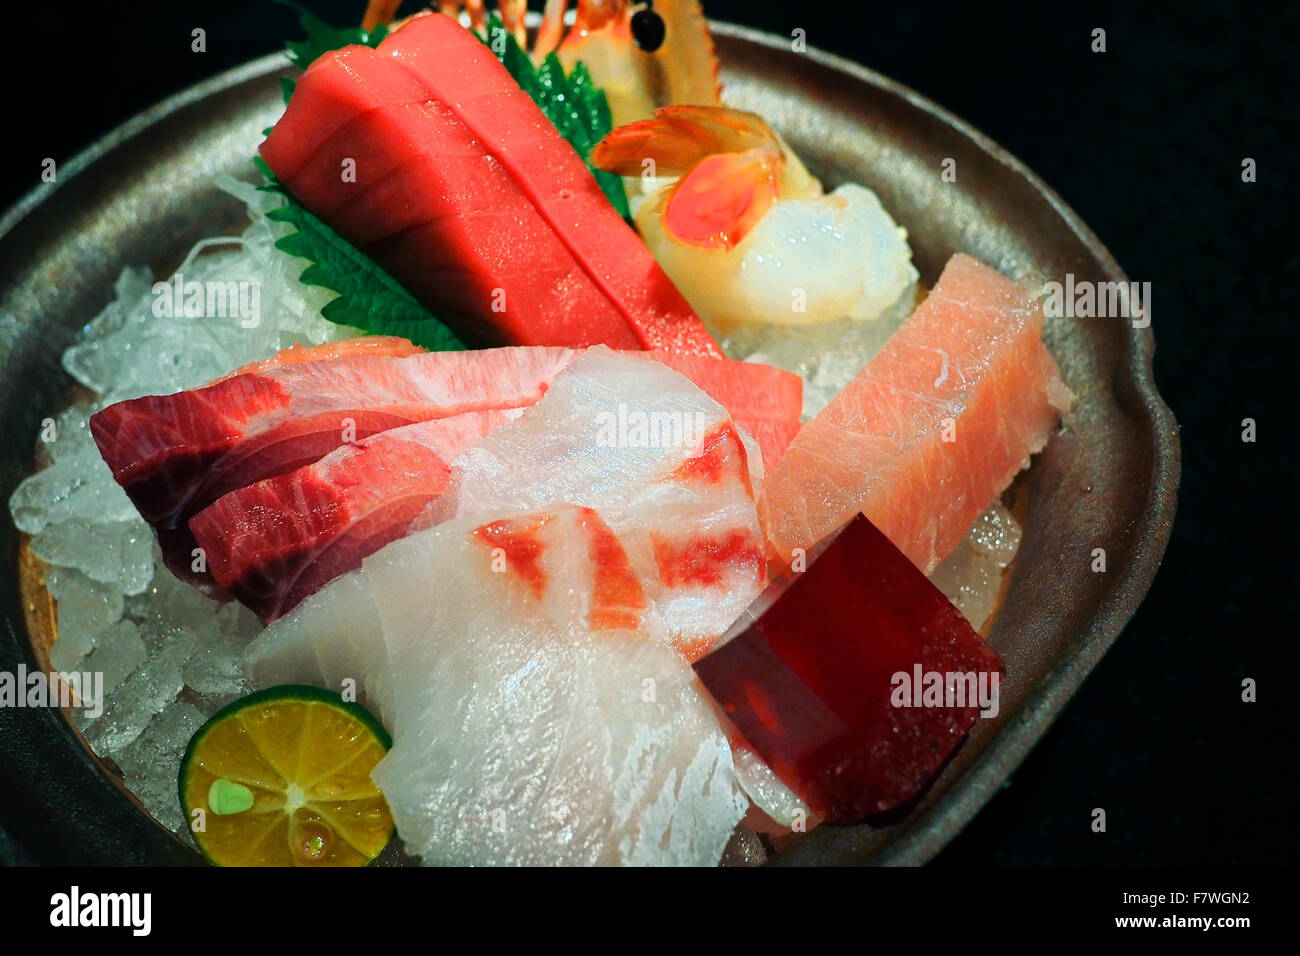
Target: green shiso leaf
573	103
369	298
321	37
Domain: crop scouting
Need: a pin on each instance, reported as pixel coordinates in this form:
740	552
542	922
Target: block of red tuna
459	185
859	682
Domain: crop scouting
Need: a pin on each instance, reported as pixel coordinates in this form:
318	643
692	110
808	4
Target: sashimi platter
558	460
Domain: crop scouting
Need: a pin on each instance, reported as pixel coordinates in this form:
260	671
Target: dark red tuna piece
816	685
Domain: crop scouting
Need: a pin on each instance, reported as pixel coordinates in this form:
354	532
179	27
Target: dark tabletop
1146	143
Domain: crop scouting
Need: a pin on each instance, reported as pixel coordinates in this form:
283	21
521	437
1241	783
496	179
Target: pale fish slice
664	464
523	734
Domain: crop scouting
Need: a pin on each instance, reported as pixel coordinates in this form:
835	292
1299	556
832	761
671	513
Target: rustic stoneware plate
144	195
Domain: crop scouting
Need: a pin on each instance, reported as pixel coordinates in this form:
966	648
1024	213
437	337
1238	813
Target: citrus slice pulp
282	778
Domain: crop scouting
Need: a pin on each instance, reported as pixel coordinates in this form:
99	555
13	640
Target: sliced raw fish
460	71
176	454
426	202
846	711
766	401
332	636
339	348
663	463
932	430
545	720
275	542
464	190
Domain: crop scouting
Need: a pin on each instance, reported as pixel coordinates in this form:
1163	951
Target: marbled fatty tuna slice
932	430
273	543
176	454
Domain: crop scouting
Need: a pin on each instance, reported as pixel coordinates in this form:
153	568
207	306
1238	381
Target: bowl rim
929	833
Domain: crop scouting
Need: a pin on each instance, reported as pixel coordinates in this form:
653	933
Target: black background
1146	142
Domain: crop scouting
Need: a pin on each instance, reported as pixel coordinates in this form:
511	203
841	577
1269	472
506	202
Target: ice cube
78	486
168	606
152	761
118	553
971	576
218	669
160	798
130	708
85	608
118	652
163	741
997	534
71	432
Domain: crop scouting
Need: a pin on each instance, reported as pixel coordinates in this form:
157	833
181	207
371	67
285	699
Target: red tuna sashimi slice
461	72
274	543
821	703
302	132
427	202
932	430
176	454
767	402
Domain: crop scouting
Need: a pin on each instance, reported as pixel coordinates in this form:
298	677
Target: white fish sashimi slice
332	637
547	720
664	464
769	793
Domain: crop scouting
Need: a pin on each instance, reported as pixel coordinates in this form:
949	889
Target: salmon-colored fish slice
932	430
176	454
274	543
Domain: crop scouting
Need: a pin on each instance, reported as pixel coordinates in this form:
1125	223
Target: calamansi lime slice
282	778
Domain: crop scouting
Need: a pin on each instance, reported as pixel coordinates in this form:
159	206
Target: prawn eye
648	29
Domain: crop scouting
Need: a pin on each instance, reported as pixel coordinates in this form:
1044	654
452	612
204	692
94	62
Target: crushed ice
170	657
